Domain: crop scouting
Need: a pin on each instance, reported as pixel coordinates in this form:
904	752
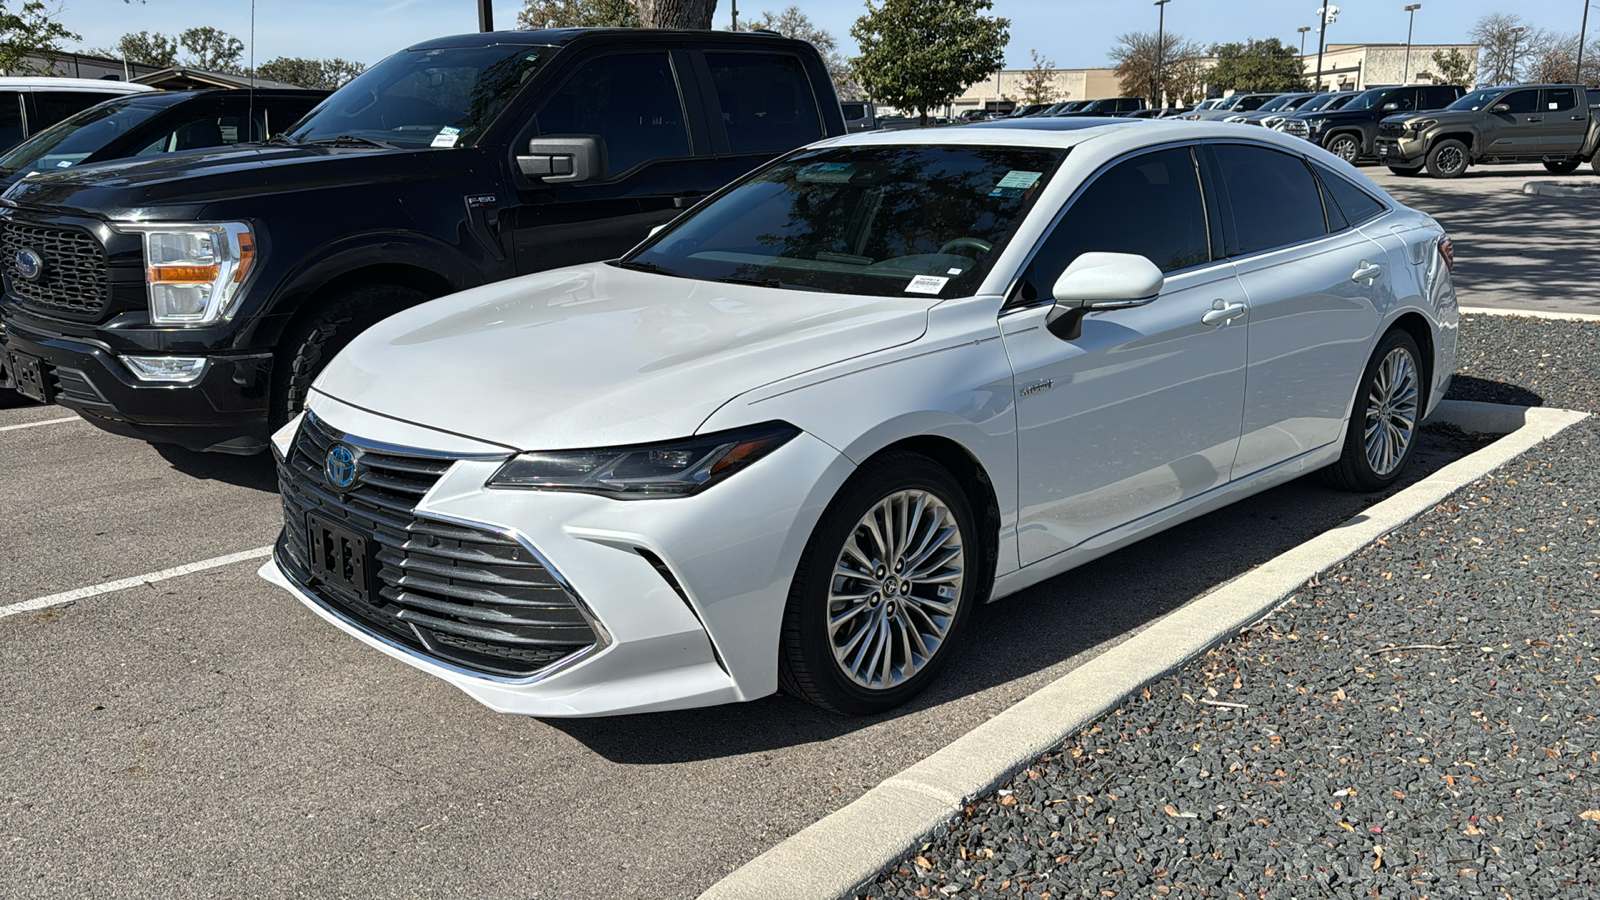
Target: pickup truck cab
192	298
1351	131
1551	124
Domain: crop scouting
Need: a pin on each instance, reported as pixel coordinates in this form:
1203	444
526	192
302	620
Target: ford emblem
340	466
28	264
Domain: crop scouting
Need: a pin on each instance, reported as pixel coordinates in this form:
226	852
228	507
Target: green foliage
1257	65
1454	67
148	48
30	30
920	54
318	74
211	49
578	14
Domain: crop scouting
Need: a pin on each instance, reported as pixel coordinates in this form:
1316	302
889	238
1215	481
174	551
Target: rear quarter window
766	99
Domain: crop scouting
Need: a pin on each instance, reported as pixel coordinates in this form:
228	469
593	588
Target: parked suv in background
860	115
29	105
1110	106
1232	106
1549	123
1351	131
192	299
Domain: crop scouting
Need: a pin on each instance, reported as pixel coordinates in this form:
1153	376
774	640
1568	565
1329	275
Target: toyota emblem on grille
28	264
340	466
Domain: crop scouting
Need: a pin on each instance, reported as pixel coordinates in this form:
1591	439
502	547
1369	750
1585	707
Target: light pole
1583	31
1516	35
1303	29
1161	51
1326	14
485	15
1405	76
735	15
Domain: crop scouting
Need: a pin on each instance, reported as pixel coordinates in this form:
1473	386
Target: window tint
1357	205
1274	197
1521	101
766	101
853	111
51	107
1150	205
1330	207
1560	99
209	130
1250	103
1440	97
10	118
630	100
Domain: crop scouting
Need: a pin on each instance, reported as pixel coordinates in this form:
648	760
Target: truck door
1565	124
1515	131
761	105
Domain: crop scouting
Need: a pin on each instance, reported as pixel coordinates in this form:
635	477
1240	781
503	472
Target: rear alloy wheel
1563	166
1345	146
883	590
1448	159
1381	437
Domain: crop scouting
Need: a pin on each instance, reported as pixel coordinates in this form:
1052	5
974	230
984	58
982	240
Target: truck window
1521	102
853	111
208	130
630	100
766	101
1560	99
10	118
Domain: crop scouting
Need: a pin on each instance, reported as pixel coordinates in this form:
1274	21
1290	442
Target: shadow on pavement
252	472
1045	626
1466	387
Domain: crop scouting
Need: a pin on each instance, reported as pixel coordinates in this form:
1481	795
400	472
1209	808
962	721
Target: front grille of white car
465	596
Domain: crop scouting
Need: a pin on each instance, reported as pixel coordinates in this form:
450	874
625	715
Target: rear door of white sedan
1142	410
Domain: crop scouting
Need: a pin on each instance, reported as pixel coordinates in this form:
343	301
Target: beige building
1004	89
1356	67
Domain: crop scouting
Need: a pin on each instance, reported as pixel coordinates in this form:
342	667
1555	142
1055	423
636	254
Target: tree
1505	46
794	23
30	31
1454	67
578	14
1039	82
211	49
676	13
144	47
919	54
317	74
1138	59
1257	65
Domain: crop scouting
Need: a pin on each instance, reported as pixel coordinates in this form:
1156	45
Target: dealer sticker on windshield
447	136
927	284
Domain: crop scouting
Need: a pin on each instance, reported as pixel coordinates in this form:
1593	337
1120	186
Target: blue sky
1072	33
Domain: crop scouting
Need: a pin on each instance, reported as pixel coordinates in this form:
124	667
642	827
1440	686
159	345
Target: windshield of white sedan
441	98
881	221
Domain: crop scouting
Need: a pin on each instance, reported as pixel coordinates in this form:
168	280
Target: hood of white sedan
595	355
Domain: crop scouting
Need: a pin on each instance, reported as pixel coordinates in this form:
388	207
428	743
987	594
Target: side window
50	107
1521	102
201	132
1560	99
1356	205
630	100
10	118
1274	197
1403	100
766	99
1150	205
1440	97
853	112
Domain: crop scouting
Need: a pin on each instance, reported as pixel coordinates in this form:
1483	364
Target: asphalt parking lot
205	735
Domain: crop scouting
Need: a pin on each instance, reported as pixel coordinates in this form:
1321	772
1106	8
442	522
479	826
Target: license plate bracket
339	556
28	377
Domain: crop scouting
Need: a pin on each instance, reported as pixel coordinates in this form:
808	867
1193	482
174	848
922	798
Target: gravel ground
1418	722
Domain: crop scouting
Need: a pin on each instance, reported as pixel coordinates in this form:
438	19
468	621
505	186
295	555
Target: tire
852	681
1563	167
312	342
1362	469
1448	159
1345	146
1405	172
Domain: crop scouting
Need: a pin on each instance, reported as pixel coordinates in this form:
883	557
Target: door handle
1536	118
1368	272
1222	312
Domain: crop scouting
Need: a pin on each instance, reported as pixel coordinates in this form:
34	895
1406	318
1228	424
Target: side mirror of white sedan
1101	281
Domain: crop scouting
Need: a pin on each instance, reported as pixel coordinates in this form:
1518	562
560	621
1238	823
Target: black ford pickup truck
191	299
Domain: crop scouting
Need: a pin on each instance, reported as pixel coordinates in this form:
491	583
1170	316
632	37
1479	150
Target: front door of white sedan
1143	408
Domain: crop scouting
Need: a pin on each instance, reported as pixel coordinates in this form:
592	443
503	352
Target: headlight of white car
194	270
674	469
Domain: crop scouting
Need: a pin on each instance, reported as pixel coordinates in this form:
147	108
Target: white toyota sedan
799	436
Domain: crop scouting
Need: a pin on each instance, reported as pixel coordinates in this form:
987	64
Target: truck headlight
640	472
1416	128
1316	125
194	271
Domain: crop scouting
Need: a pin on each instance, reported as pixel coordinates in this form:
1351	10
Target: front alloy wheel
1345	146
1447	159
883	589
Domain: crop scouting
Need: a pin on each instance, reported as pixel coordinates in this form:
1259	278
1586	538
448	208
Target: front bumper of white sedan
650	604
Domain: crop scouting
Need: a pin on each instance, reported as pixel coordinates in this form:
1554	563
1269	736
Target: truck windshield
1371	99
77	137
440	98
1477	100
878	221
1317	102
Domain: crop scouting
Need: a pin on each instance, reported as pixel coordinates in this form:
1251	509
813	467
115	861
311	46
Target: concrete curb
1529	314
837	855
1561	189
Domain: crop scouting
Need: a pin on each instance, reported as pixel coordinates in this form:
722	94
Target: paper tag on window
445	140
926	284
1018	179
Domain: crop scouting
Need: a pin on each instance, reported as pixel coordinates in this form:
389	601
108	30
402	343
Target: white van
29	104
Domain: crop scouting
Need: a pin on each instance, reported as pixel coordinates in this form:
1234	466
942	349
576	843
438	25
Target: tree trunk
677	13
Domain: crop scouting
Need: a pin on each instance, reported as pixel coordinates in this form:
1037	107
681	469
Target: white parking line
1529	313
45	422
135	581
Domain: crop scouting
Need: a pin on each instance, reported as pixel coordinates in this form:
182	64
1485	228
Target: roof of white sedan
1033	132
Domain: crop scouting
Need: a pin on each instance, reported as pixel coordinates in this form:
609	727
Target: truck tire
314	340
1407	171
1447	159
1346	146
1562	166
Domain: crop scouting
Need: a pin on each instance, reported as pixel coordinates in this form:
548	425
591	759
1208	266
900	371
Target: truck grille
1298	128
472	598
1391	129
73	281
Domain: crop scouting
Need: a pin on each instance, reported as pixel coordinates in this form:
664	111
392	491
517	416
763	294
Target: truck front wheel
1345	146
1447	159
326	328
1562	166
